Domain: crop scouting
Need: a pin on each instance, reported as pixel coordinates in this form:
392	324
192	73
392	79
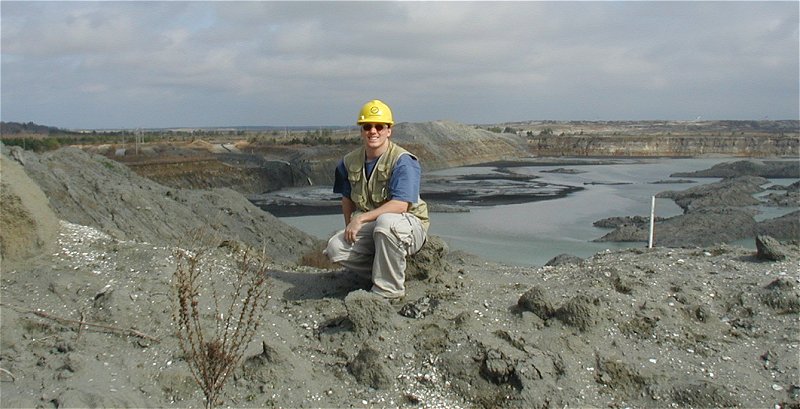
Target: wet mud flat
442	193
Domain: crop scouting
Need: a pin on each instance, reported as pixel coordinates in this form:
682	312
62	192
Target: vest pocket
380	195
379	184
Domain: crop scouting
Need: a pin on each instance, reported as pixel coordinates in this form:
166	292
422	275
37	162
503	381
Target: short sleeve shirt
403	185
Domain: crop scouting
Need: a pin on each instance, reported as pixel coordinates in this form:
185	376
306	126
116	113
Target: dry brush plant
213	350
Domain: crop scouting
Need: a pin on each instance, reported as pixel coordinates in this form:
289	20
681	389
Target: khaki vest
371	193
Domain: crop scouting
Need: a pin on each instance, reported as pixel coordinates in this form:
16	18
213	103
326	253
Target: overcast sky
174	64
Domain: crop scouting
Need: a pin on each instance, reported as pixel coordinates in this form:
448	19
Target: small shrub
213	353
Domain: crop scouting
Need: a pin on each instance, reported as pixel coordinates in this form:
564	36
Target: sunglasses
378	127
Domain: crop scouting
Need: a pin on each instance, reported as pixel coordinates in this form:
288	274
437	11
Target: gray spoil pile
91	190
445	144
29	226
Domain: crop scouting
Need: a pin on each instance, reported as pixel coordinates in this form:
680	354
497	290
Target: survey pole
652	220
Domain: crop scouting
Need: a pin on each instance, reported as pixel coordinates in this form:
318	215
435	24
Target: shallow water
533	233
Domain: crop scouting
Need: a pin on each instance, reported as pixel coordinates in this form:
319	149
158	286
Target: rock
580	312
498	368
419	308
28	226
370	313
369	368
782	296
429	262
564	258
536	301
767	248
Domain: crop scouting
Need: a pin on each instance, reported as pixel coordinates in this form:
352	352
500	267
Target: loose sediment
90	324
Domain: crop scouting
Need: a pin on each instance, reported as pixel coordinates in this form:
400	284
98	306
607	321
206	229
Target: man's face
375	135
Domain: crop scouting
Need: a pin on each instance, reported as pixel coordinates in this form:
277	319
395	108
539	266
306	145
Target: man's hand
351	231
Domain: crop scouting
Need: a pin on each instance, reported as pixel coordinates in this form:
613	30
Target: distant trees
325	140
31	136
42	138
34	144
497	129
12	128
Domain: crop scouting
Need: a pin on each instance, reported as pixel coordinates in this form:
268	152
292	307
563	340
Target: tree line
14	128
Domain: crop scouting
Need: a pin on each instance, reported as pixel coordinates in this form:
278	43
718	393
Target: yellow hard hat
375	111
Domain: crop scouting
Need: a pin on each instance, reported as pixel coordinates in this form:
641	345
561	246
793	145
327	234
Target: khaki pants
381	248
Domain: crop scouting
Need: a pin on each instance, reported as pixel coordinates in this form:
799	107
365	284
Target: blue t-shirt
403	185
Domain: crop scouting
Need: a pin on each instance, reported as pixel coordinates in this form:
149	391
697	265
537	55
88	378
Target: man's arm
348	207
355	223
392	206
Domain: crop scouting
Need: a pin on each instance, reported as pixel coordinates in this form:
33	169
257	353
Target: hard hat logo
375	111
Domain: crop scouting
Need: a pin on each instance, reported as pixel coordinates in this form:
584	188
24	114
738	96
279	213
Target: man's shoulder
400	152
407	157
356	156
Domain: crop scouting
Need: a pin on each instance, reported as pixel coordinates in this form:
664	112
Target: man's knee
384	223
336	249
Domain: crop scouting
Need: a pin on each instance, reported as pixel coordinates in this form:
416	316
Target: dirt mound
91	190
27	224
201	144
444	144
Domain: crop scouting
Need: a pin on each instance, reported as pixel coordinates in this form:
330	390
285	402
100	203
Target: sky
103	64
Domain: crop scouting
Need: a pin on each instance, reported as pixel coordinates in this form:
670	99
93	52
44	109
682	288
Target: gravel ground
90	325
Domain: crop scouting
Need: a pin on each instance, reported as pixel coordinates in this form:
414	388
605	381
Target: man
385	219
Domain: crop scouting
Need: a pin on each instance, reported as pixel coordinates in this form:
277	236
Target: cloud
123	64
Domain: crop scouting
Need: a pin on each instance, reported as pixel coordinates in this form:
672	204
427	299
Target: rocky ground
87	319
